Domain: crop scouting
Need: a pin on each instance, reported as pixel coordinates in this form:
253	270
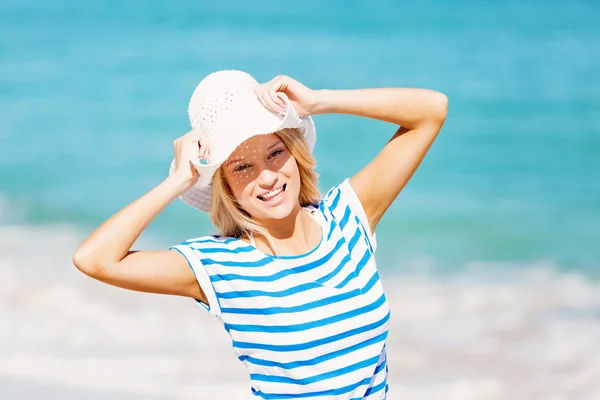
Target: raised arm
420	113
105	255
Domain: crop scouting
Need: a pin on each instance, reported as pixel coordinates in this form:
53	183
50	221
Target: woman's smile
274	197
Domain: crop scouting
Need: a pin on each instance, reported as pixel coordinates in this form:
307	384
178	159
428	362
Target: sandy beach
482	335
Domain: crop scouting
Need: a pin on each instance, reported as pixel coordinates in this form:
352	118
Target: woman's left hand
281	89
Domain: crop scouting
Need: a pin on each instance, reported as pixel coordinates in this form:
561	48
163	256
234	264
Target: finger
194	151
266	94
284	98
269	103
264	101
259	88
273	99
189	142
260	95
276	88
200	148
204	149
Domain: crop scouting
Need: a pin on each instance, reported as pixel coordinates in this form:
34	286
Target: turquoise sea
92	94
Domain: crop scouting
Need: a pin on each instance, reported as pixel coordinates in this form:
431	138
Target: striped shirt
312	326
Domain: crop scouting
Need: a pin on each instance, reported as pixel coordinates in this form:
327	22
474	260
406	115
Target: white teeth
271	194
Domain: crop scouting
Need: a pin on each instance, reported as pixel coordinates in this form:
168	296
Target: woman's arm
105	255
420	113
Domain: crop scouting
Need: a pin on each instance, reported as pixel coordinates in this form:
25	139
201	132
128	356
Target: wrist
179	184
321	101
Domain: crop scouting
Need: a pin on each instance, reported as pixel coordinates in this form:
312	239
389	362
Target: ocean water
490	256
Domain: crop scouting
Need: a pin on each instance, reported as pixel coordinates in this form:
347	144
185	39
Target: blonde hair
232	220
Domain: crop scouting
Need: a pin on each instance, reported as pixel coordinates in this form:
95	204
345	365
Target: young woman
292	274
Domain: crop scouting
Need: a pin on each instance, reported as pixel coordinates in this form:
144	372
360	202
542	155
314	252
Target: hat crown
218	96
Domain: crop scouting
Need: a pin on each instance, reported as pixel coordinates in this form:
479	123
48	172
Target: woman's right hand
192	144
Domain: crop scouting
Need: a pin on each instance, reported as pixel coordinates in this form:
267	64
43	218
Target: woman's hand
281	89
192	144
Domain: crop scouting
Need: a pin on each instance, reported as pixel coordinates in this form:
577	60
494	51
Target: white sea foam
483	334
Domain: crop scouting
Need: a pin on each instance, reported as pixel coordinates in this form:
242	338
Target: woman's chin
280	210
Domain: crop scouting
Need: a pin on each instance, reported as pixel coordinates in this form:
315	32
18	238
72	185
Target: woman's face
263	177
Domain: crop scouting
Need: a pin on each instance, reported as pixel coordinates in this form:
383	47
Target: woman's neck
297	234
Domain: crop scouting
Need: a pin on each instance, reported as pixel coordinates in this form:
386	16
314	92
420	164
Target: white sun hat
225	108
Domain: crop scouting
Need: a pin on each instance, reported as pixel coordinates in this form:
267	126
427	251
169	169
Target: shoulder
210	240
341	196
343	205
211	243
216	249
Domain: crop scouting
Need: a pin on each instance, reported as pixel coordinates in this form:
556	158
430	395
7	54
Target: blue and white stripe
312	326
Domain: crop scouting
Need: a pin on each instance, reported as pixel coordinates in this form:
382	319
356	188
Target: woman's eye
241	167
276	153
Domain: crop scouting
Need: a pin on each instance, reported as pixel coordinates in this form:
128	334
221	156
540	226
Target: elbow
439	109
85	263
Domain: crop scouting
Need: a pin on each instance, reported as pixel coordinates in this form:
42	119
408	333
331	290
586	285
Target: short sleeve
193	258
344	195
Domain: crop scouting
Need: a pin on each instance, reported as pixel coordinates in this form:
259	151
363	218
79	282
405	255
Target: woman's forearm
406	107
112	240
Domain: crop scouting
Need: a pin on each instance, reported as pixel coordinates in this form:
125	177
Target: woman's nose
267	178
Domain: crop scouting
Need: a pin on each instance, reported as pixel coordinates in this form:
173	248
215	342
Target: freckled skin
259	165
